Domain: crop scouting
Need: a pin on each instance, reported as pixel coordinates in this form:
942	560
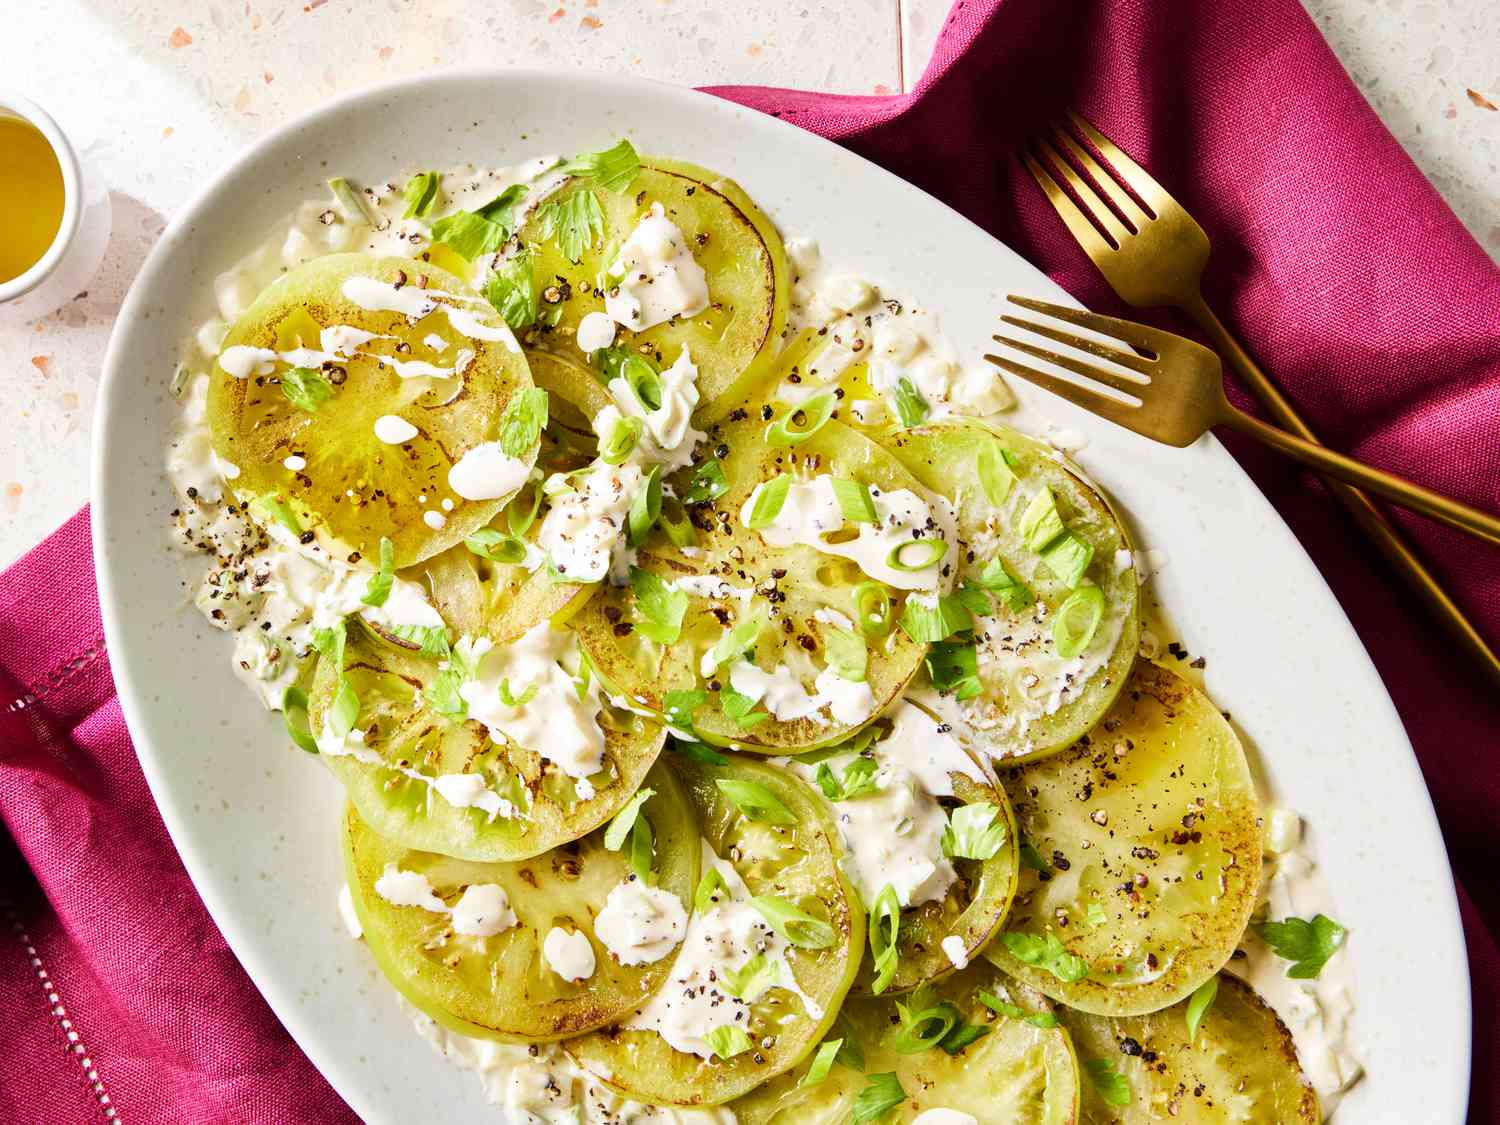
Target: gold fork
1176	394
1159	260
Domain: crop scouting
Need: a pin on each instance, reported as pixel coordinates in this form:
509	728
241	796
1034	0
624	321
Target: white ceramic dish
256	822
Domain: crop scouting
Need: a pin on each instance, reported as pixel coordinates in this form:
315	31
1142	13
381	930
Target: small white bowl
77	248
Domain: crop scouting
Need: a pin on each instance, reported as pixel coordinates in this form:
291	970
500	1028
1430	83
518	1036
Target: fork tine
1089	371
1098	210
1084	343
1074	219
1140	181
1106	184
1153	340
1111	409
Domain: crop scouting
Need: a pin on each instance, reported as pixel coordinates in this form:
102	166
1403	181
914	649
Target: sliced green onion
1112	1087
872	609
679	707
1077	620
619	828
708	483
645	508
769	497
354	204
421	194
847	656
916	554
1045	1020
521	514
523	420
496	546
740	709
728	1041
711	886
885	927
660	606
675	522
1068	557
753	978
793	923
995	476
378	589
755	801
1198	1005
925	1029
822	1063
345	709
294	715
1045	951
911	407
510	699
736	640
275	508
643	379
1004	585
642	849
858	779
854	500
961	1036
621	440
306	388
1040	522
800	423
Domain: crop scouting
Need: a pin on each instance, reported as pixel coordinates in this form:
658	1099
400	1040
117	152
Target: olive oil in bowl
31	196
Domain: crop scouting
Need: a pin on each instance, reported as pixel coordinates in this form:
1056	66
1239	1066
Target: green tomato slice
1242	1065
502	986
796	862
307	402
1015	1072
1149	833
976	903
475	593
1032	700
802	593
409	737
738	248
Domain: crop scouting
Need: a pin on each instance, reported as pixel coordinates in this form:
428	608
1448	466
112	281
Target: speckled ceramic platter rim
256	821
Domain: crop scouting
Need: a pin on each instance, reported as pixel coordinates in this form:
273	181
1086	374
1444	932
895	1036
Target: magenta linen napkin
1334	259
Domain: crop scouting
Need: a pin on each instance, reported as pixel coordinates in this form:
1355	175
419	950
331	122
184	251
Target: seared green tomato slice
404	736
907	767
803	594
289	391
975	905
502	985
1242	1066
1148	832
1032	699
1015	1072
796	862
731	341
478	594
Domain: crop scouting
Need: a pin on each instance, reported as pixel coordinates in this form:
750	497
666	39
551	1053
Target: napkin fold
1334	260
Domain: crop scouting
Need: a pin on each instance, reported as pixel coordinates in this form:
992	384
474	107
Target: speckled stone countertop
160	93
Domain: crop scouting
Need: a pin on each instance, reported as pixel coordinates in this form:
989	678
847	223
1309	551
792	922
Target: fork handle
1394	488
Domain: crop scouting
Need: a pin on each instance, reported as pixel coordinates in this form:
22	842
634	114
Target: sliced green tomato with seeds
1015	1073
797	862
805	582
972	910
1148	829
354	488
1241	1066
478	595
745	267
1032	700
407	734
502	986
